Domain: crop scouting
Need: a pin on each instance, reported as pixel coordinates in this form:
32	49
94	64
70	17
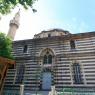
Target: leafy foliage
5	46
7	5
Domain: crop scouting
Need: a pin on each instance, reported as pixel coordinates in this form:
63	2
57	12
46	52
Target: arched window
72	44
47	59
77	74
49	35
25	48
20	74
50	59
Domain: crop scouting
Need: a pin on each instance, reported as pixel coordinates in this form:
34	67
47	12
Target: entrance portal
46	81
47	59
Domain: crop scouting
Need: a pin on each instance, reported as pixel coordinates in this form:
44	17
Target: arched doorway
47	60
46	80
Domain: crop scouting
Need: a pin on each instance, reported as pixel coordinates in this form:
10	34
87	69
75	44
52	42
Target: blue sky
76	16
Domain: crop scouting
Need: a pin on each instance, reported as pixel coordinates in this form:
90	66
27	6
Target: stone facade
65	59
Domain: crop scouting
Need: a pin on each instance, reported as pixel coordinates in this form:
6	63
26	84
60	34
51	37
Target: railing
72	91
11	92
76	93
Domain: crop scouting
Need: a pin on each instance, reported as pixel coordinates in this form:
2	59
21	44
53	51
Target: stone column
21	89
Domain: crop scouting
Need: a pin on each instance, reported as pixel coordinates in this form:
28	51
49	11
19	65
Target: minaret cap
17	16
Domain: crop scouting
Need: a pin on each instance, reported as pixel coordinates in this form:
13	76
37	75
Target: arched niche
47	62
47	57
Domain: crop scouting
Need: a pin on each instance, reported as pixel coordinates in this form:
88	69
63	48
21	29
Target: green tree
7	5
5	46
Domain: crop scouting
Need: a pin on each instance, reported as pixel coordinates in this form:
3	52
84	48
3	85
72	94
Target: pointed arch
43	51
20	74
47	55
47	59
77	73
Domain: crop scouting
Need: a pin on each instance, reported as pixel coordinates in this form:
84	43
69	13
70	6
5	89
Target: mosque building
53	57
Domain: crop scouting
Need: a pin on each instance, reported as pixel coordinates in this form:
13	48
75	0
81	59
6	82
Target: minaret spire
14	24
17	16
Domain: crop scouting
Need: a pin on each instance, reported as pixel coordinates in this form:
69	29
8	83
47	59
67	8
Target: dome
51	33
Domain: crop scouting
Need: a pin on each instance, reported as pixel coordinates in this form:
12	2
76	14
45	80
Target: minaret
14	24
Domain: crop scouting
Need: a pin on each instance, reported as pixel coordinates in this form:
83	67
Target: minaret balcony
14	22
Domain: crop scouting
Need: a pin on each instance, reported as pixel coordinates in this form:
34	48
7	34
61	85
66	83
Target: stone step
36	93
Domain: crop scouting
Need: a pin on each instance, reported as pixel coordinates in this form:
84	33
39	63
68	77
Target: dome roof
51	33
57	30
